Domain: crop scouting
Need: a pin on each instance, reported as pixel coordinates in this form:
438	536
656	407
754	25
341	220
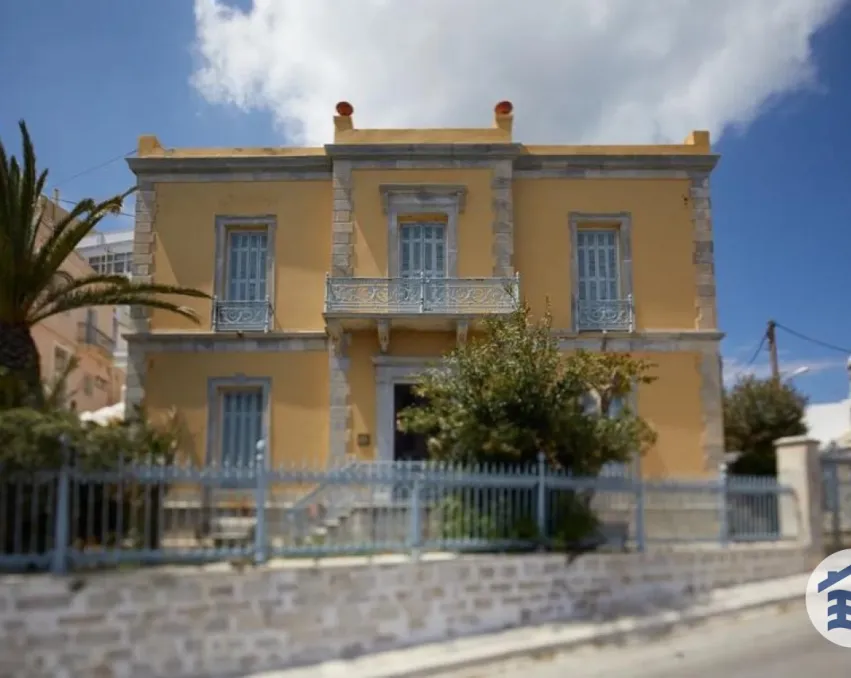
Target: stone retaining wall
226	619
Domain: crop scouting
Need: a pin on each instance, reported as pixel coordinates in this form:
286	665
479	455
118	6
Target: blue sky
106	71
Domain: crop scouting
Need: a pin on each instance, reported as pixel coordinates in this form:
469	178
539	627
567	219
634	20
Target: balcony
416	303
89	335
441	296
611	315
241	316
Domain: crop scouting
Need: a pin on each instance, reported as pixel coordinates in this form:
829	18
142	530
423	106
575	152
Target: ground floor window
240	425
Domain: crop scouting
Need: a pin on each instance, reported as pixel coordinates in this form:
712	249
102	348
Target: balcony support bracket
383	335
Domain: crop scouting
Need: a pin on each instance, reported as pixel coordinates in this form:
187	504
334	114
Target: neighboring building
340	273
112	252
89	334
830	423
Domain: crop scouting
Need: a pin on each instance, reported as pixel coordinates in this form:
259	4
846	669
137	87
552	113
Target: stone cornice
230	165
660	335
567	163
400	156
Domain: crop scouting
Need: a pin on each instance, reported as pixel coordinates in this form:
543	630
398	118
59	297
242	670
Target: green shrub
101	514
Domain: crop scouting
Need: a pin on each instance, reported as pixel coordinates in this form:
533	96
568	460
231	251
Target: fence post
62	524
640	525
260	541
723	508
834	504
542	498
801	503
415	526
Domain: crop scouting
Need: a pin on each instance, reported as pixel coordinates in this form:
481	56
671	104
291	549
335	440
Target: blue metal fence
74	518
836	489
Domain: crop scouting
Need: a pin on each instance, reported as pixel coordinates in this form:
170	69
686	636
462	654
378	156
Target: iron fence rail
75	518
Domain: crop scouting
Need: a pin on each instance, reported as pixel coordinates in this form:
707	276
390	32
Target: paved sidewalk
771	642
549	640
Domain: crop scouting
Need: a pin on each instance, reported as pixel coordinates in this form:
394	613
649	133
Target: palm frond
32	283
32	185
20	191
69	231
131	294
64	284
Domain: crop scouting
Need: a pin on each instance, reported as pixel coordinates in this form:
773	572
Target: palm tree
32	285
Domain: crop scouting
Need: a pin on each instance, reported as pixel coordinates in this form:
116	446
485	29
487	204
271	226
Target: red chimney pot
504	108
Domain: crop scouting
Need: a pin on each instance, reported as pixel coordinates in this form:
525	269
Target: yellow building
339	273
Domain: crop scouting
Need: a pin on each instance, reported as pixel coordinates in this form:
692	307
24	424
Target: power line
95	168
817	342
757	352
74	202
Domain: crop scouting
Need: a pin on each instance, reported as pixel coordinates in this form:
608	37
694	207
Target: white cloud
735	368
578	71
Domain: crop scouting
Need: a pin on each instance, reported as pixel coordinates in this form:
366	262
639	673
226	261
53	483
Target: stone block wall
223	620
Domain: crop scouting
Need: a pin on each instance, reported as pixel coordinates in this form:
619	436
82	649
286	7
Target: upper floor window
422	228
602	270
598	265
244	274
422	262
422	249
246	266
112	263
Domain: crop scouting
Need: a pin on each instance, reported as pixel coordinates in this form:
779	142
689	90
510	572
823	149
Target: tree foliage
756	413
35	442
511	394
33	284
32	440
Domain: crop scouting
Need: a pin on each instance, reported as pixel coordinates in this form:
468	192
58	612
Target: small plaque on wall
363	439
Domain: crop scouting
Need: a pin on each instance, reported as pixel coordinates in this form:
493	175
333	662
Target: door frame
389	371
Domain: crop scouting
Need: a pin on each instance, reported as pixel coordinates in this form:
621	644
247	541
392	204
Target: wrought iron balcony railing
436	296
616	315
92	336
239	316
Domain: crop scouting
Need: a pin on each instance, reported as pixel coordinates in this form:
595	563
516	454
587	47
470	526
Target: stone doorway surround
389	371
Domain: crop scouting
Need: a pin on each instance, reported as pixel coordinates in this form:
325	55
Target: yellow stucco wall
299	397
671	404
474	224
663	273
362	349
185	244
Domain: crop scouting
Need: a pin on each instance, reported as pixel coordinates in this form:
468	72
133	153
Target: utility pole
771	336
